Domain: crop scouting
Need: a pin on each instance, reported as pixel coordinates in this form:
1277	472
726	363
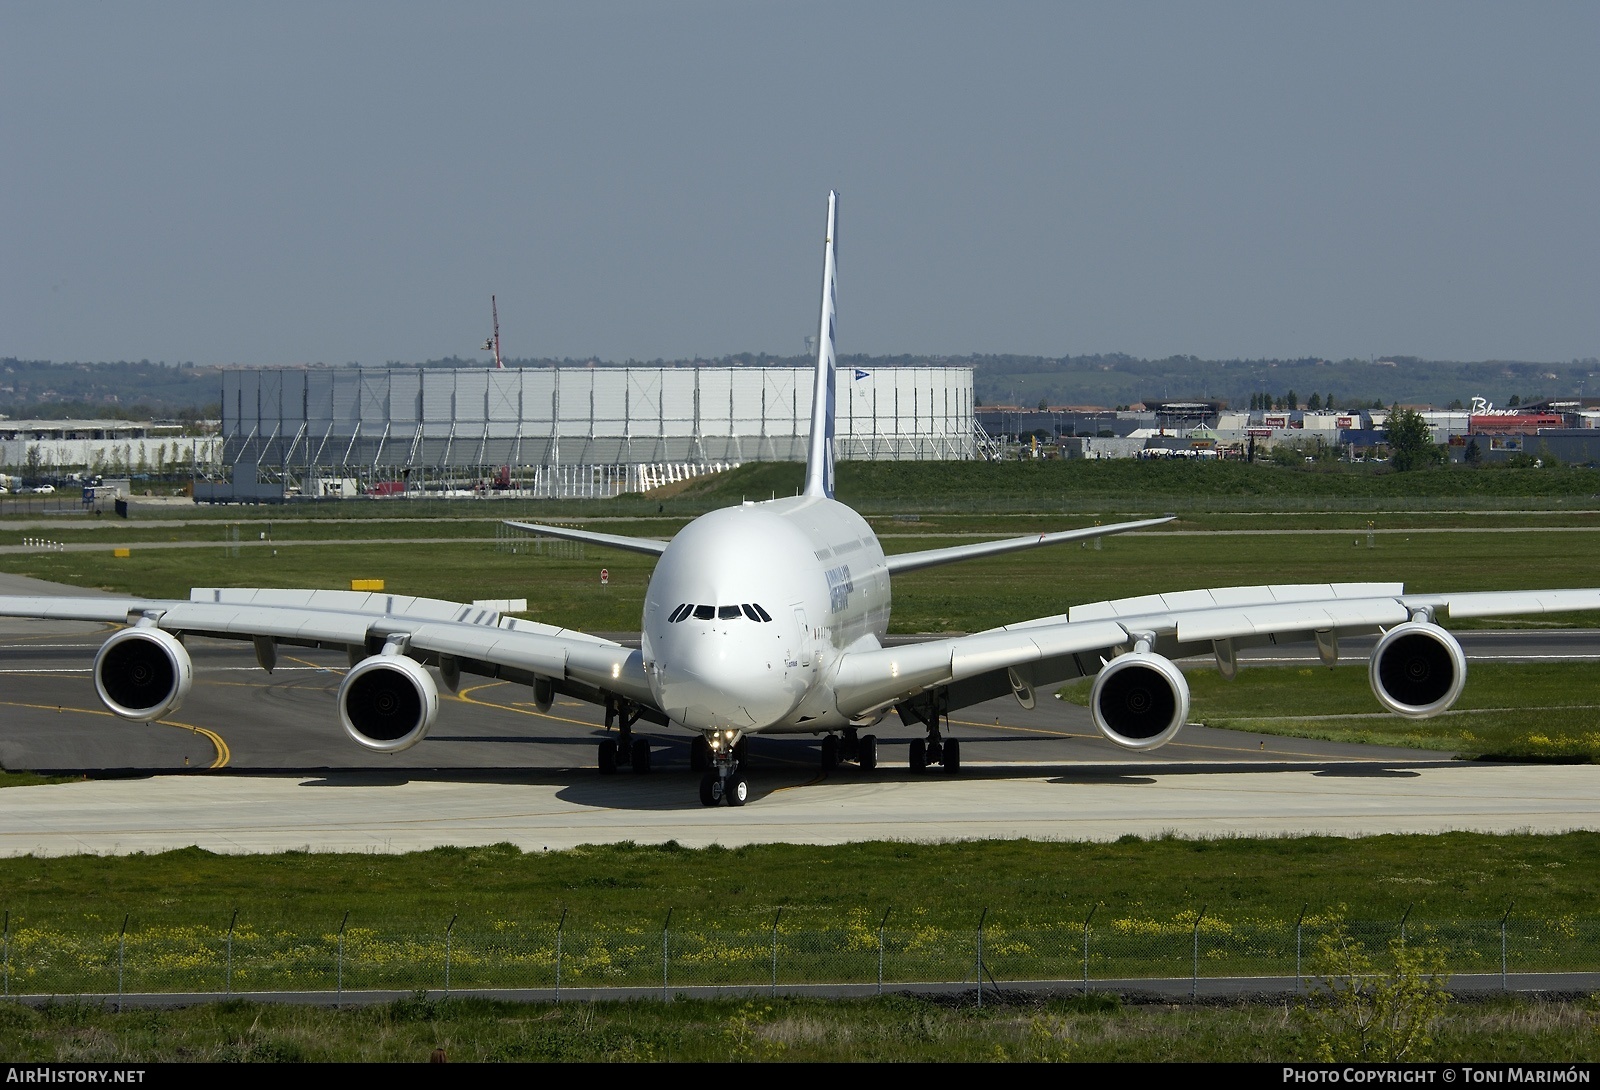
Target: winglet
819	459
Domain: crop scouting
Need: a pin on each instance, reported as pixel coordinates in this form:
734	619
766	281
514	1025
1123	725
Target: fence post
776	917
227	984
339	993
560	930
447	931
1503	920
979	950
1403	920
881	925
1092	910
1194	984
122	946
1299	926
666	927
5	958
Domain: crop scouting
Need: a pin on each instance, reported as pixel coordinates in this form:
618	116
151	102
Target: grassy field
1157	884
1023	884
890	1029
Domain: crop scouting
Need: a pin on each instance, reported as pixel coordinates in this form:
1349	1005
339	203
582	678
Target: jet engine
1417	670
388	702
143	673
1140	700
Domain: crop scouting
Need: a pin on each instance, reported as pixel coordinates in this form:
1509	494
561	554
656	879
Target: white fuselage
749	608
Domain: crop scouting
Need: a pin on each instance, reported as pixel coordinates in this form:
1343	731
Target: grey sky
284	182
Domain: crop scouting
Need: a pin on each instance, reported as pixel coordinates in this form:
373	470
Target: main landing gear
863	750
624	748
724	780
935	749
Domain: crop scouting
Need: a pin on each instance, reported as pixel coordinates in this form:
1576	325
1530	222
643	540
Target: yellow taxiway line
224	754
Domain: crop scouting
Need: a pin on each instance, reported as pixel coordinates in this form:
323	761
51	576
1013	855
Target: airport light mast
493	343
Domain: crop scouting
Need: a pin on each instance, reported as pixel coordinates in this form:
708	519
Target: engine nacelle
1417	670
143	673
388	702
1140	700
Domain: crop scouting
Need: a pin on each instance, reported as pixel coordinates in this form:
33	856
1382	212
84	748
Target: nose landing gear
725	781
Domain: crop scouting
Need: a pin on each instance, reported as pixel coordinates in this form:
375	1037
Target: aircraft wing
616	541
477	640
1052	650
928	558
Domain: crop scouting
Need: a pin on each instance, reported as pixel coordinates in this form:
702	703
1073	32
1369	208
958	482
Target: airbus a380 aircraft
770	617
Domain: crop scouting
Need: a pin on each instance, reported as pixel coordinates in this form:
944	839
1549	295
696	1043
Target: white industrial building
591	431
103	446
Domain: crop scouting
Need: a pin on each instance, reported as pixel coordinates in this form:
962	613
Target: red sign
605	576
1343	422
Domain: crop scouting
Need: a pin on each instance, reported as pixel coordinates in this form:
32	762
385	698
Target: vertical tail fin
819	459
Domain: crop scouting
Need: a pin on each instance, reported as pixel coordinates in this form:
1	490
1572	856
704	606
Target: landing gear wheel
641	756
830	753
608	757
699	754
736	790
867	752
952	756
710	789
919	755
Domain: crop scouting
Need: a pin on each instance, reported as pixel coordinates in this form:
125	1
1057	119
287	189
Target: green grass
1522	711
1023	884
28	779
890	1029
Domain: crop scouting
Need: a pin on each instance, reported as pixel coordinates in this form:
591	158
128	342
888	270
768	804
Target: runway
258	763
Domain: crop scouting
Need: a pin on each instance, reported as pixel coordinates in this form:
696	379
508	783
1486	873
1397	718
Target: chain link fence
47	959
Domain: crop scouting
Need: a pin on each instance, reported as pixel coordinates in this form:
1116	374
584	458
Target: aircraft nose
714	679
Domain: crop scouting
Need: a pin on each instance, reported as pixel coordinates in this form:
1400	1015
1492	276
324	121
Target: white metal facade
374	423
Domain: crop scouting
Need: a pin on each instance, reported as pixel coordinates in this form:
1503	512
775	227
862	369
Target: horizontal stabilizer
616	541
930	558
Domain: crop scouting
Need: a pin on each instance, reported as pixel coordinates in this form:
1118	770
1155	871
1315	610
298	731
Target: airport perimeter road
374	812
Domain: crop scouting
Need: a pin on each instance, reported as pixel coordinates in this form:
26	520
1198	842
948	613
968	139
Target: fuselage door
804	629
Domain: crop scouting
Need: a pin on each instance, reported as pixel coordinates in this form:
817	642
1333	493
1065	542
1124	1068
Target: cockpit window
727	613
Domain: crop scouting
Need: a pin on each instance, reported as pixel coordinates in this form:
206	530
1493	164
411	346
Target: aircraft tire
737	789
710	789
830	753
867	752
608	757
641	756
919	755
952	756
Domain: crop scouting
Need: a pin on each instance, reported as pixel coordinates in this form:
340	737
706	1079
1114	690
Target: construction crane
492	344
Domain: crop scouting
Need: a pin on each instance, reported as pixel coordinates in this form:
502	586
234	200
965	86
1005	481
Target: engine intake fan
143	674
1140	700
1417	670
387	703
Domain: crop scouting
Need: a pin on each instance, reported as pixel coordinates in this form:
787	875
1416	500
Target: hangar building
591	431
